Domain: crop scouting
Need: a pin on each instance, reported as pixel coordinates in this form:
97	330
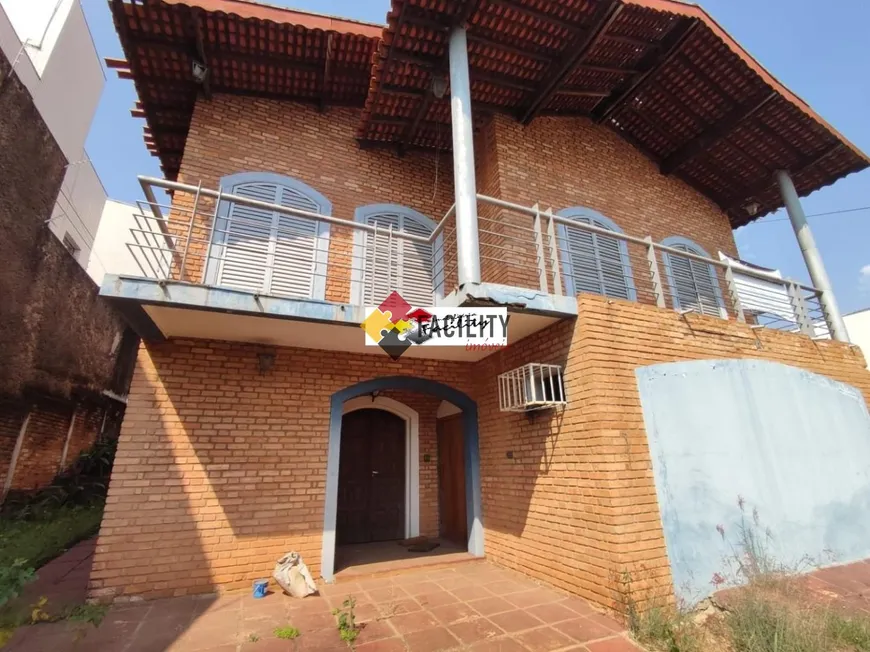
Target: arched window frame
603	222
694	248
362	215
216	246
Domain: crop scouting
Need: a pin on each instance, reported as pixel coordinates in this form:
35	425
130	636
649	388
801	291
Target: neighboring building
318	164
53	54
65	354
858	324
120	224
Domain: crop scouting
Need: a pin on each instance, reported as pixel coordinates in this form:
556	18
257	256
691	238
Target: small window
383	263
71	245
693	285
594	262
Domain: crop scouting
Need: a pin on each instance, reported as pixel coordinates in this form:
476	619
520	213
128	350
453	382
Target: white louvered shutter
268	251
295	264
597	261
247	242
393	263
694	283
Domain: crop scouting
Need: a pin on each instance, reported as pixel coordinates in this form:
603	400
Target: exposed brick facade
221	469
225	467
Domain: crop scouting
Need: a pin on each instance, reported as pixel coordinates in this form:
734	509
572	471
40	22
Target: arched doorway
411	425
471	456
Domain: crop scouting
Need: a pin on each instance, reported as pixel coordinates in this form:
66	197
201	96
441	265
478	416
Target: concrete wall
110	254
56	60
858	325
793	444
58	335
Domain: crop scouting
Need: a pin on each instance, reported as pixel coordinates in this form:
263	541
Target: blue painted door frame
472	457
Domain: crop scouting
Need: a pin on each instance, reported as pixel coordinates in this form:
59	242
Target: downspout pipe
812	257
464	184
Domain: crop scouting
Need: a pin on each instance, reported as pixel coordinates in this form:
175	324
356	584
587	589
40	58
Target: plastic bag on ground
293	576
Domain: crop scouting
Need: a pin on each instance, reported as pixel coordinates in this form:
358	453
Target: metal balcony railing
195	239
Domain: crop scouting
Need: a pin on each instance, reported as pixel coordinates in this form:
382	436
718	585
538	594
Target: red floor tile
515	621
454	613
618	644
431	640
543	639
473	631
490	606
583	629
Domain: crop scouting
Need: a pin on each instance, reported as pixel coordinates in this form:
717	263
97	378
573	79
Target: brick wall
230	134
225	467
564	162
576	506
557	162
41	453
220	470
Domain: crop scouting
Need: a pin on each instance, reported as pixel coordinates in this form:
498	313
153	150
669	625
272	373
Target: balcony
261	262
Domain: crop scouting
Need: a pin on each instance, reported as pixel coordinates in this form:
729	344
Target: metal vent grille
534	386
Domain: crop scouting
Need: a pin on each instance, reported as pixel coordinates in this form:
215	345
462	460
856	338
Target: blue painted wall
793	444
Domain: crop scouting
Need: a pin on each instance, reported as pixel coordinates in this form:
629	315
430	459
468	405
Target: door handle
374	472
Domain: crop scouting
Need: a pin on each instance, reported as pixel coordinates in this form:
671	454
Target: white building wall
111	255
858	325
54	56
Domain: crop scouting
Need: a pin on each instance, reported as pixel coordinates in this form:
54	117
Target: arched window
266	251
383	263
693	285
594	262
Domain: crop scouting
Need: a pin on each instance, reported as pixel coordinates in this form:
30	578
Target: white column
465	187
16	452
812	257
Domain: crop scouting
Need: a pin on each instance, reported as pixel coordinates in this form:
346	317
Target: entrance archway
471	456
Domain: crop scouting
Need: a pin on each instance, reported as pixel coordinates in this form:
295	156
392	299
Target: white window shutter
597	261
268	251
396	263
248	241
694	283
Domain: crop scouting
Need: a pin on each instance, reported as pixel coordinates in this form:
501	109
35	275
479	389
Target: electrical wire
839	212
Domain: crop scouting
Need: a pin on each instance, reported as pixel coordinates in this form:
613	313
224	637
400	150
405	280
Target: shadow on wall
795	445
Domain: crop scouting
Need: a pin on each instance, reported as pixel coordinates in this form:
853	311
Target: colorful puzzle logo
395	327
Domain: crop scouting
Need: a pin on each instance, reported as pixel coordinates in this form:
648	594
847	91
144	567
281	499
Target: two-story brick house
583	163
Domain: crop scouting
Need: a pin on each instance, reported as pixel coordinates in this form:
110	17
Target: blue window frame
693	285
267	251
382	264
594	262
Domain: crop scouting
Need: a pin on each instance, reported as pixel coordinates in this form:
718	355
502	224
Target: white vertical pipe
465	187
16	452
69	432
811	254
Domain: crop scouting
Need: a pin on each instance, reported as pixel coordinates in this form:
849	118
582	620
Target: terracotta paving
468	606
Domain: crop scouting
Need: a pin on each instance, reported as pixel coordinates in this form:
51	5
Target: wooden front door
371	477
451	480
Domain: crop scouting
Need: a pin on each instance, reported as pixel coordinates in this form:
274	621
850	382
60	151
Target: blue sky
819	50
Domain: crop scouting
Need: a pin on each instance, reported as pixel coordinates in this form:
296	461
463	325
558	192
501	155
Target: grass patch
770	610
287	633
40	540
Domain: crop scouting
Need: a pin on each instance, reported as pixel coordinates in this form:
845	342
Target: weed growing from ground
287	633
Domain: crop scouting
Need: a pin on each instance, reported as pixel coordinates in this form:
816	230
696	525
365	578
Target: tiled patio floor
468	606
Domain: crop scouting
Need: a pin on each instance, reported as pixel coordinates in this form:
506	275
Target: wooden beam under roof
649	64
603	18
540	15
715	133
200	50
805	163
